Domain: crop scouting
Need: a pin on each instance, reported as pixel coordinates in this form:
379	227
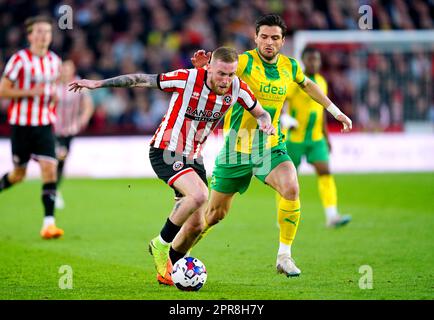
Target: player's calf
215	214
9	179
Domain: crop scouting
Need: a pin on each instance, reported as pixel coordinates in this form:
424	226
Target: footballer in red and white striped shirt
195	109
28	71
200	98
73	112
29	81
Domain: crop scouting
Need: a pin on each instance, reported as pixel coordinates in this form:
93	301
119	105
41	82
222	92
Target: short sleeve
173	80
297	73
246	98
242	63
13	68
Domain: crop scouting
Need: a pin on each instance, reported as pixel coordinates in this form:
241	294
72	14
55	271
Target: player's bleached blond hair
225	54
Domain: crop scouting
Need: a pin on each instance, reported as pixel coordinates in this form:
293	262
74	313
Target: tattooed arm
123	81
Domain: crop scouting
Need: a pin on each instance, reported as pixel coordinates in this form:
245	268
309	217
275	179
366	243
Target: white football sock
331	213
284	248
162	240
48	221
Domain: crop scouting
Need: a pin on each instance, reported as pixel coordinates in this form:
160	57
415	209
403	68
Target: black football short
36	142
64	142
169	166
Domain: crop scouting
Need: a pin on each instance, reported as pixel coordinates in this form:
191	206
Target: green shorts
232	178
315	151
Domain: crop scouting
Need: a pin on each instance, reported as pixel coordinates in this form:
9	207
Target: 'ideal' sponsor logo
268	88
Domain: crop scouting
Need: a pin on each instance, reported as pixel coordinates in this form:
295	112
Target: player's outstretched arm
123	81
264	119
315	92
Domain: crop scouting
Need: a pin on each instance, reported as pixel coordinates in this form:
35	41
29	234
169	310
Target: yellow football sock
278	197
327	191
289	217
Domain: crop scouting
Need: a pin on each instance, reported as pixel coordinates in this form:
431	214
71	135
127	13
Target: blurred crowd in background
378	90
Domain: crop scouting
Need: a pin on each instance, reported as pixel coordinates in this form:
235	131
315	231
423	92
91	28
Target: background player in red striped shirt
29	82
73	112
200	99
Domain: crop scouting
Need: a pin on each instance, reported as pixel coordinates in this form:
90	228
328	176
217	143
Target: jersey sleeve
297	73
171	81
246	98
13	68
242	63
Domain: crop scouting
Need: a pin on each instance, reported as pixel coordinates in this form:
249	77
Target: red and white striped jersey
68	110
195	110
27	70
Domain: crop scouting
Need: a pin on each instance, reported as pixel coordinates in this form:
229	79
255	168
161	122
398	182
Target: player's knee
61	156
323	172
290	191
199	198
322	168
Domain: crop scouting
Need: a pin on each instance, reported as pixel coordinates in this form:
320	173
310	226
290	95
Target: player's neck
272	61
38	51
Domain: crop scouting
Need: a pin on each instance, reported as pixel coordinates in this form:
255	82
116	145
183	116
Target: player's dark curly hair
271	20
307	50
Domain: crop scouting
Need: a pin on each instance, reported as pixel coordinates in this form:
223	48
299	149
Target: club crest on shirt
227	99
195	95
178	165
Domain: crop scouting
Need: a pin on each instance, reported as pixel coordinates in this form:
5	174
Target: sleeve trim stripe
254	105
158	81
304	79
248	98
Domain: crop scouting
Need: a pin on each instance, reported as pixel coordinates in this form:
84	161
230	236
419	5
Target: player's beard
218	90
268	56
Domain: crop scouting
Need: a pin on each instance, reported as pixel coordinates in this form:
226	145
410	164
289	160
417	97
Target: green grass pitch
108	224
